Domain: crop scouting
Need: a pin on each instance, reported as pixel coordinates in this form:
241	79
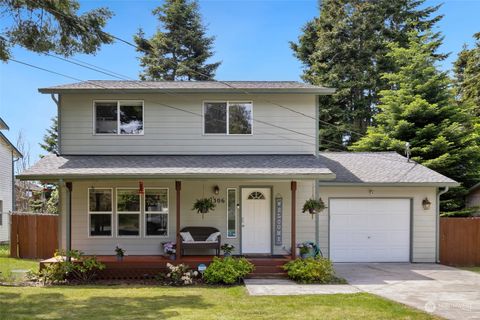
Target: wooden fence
460	241
33	236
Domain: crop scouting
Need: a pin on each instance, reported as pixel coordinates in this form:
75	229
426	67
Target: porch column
178	187
293	224
68	217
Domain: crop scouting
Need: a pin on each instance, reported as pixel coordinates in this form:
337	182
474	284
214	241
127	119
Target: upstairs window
118	117
228	117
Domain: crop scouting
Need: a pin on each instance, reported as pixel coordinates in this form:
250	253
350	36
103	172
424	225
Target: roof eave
15	151
3	125
389	184
316	91
186	176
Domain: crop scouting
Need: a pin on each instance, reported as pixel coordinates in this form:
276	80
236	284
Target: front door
256	220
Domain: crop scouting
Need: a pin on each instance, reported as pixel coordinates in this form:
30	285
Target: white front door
370	230
256	220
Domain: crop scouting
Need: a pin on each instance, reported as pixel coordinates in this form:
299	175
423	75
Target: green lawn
474	269
7	264
154	302
141	302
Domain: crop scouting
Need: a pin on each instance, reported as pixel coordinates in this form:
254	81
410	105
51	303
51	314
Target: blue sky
251	41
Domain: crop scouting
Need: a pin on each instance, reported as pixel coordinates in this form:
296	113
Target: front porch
148	267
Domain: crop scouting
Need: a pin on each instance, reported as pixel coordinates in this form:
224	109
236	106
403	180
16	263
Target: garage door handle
368	237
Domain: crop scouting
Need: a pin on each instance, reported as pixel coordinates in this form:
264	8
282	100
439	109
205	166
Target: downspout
14	204
69	187
437	225
56	99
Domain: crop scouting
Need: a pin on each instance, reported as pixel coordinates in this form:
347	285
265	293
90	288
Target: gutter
437	224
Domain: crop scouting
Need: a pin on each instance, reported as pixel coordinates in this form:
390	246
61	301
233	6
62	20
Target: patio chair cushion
213	237
187	236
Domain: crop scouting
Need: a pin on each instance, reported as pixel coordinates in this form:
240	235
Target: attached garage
370	230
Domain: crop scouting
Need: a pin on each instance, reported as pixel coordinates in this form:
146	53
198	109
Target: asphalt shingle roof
178	166
379	167
334	167
188	86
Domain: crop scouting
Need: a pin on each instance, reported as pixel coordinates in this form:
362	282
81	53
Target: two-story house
135	156
8	154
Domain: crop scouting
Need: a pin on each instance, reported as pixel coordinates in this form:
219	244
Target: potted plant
170	249
227	249
120	253
204	205
313	206
305	248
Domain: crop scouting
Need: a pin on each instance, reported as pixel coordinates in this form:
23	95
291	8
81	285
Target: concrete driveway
444	291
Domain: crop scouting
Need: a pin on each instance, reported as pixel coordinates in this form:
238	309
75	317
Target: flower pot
119	258
227	254
303	255
172	256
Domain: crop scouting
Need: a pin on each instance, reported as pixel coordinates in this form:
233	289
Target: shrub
51	273
80	268
311	270
180	274
228	270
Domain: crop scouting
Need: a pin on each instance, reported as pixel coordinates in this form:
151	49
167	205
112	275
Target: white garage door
370	230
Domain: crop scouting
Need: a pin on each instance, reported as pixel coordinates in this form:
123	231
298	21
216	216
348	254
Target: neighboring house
8	154
473	197
134	156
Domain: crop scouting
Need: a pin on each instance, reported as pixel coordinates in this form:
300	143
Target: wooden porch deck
147	267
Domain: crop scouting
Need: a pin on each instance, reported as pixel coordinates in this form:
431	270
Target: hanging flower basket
313	206
204	205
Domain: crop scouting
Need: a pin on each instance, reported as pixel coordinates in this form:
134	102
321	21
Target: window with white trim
156	212
118	117
227	117
231	213
128	213
100	205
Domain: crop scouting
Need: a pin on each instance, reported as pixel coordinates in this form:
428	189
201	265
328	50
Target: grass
474	269
155	302
8	264
135	302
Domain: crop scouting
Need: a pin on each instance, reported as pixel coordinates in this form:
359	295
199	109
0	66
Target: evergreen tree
50	139
345	48
180	48
419	107
467	76
51	26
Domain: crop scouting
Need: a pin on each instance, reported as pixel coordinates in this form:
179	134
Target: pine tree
51	26
180	48
467	76
420	108
50	139
345	48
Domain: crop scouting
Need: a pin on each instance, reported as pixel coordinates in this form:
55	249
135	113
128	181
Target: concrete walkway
283	287
448	292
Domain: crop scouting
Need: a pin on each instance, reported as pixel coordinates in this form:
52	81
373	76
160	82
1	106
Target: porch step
278	275
267	268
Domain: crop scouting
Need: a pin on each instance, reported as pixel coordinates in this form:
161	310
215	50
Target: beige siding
5	188
191	190
424	222
171	131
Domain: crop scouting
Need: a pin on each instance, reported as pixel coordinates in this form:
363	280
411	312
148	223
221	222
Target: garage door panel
370	230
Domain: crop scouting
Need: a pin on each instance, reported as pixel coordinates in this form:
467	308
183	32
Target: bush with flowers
180	275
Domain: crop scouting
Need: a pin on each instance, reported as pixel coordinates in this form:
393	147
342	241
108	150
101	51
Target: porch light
426	204
141	189
216	190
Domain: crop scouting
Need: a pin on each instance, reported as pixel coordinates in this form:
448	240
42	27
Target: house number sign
278	221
